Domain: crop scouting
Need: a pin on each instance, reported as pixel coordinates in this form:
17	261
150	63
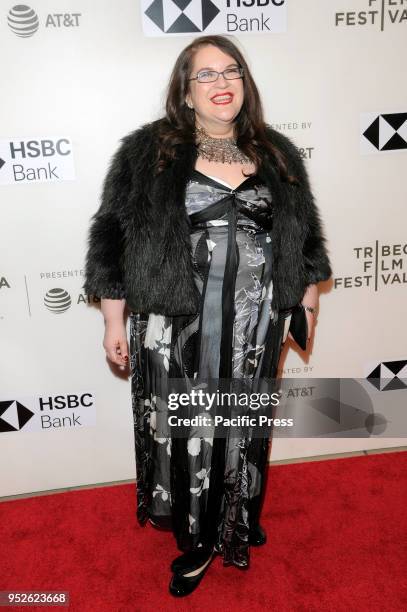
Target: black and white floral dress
209	489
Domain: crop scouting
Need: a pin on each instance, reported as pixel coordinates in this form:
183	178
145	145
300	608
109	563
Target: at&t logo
57	300
23	21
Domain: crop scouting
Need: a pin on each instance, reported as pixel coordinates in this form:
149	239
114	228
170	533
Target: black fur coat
139	246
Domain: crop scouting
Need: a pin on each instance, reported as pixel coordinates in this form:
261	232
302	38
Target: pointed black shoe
257	536
184	585
190	561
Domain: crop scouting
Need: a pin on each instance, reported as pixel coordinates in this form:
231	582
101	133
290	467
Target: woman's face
219	102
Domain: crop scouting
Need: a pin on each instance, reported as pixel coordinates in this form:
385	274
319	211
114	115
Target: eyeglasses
208	76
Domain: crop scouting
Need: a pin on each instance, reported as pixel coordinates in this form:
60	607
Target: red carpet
336	541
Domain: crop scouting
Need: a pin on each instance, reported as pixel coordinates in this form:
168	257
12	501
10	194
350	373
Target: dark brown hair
178	126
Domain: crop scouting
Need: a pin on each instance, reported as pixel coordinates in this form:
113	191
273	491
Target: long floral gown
208	490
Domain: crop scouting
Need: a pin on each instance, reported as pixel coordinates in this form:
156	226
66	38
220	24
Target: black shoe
257	536
190	561
184	585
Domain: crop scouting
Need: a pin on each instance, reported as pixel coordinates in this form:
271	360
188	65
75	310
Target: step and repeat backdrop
76	78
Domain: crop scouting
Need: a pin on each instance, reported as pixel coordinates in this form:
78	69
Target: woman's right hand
115	340
115	343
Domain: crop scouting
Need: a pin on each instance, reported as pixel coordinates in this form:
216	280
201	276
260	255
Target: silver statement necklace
222	150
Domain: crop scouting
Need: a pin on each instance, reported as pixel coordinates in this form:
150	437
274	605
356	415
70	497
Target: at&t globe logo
23	20
57	300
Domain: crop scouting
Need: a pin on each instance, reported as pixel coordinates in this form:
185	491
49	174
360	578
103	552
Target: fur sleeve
103	267
316	263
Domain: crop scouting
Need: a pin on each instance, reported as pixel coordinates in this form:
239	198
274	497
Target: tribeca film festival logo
383	132
380	265
36	160
377	13
48	412
183	17
23	21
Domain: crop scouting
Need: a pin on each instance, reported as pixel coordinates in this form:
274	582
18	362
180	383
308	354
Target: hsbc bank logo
182	16
48	412
383	132
36	160
13	415
185	17
389	375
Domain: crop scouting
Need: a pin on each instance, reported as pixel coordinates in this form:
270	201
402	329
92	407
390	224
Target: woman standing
209	232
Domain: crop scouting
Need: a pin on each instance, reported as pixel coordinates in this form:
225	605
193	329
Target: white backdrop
80	79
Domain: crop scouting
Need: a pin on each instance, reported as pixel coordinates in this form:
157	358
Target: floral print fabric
206	489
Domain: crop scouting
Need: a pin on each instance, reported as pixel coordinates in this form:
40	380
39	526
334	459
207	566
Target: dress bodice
210	202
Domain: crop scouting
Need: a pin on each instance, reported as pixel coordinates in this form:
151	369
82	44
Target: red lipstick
227	95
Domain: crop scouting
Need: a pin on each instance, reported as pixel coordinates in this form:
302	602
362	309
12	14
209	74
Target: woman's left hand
311	298
310	325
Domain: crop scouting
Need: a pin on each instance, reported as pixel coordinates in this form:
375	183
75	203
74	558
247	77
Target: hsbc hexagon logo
182	16
389	375
383	132
13	415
